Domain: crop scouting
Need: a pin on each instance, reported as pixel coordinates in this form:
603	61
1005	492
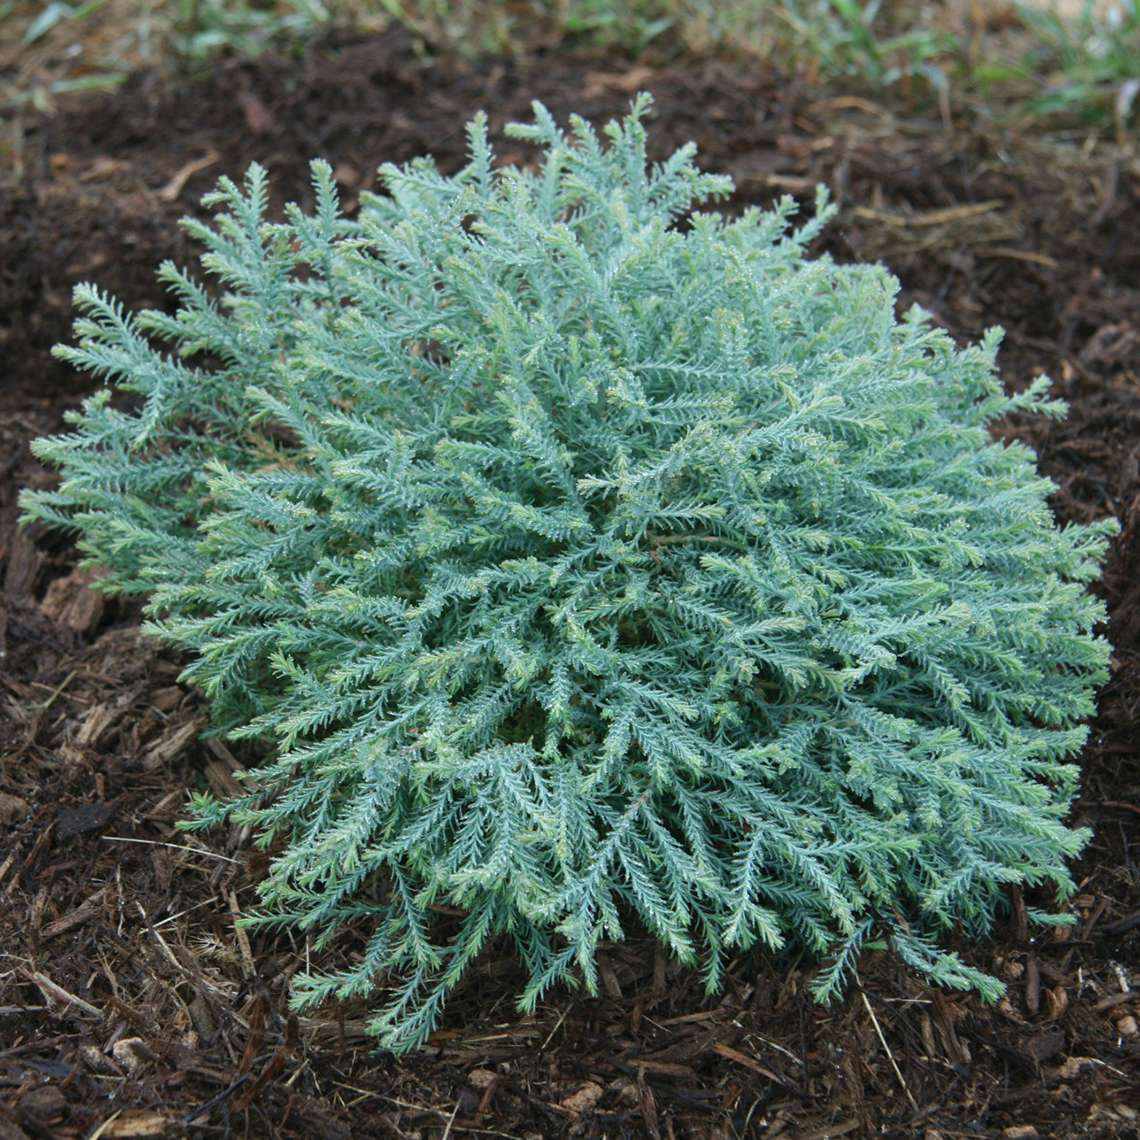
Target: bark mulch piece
130	1005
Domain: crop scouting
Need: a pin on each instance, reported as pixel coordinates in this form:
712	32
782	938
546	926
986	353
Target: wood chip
1056	1002
597	83
83	913
346	175
168	698
104	166
95	724
140	1123
1032	986
242	937
57	995
1027	255
173	189
648	1107
40	1107
71	602
1073	1066
25	563
1044	1045
929	217
686	1018
173	745
583	1100
731	1054
1113	1000
221	780
70	822
841	1129
258	117
610	981
665	1068
98	1062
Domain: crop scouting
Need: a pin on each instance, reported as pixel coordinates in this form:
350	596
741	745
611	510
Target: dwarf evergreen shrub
581	564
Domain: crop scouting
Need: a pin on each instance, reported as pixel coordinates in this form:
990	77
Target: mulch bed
130	1005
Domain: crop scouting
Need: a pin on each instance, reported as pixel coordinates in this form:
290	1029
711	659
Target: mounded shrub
584	556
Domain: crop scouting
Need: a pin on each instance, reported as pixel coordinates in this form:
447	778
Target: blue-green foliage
580	565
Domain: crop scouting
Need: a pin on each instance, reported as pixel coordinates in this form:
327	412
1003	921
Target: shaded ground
130	1006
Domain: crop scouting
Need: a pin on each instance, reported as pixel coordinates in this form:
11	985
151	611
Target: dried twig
172	846
56	993
890	1055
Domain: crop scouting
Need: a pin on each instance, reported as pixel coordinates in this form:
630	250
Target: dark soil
129	1003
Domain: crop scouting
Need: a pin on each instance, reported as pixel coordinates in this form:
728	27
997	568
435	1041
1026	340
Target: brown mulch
130	1005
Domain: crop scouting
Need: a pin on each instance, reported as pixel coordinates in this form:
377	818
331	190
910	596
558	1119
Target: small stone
1126	1026
481	1078
12	809
132	1053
